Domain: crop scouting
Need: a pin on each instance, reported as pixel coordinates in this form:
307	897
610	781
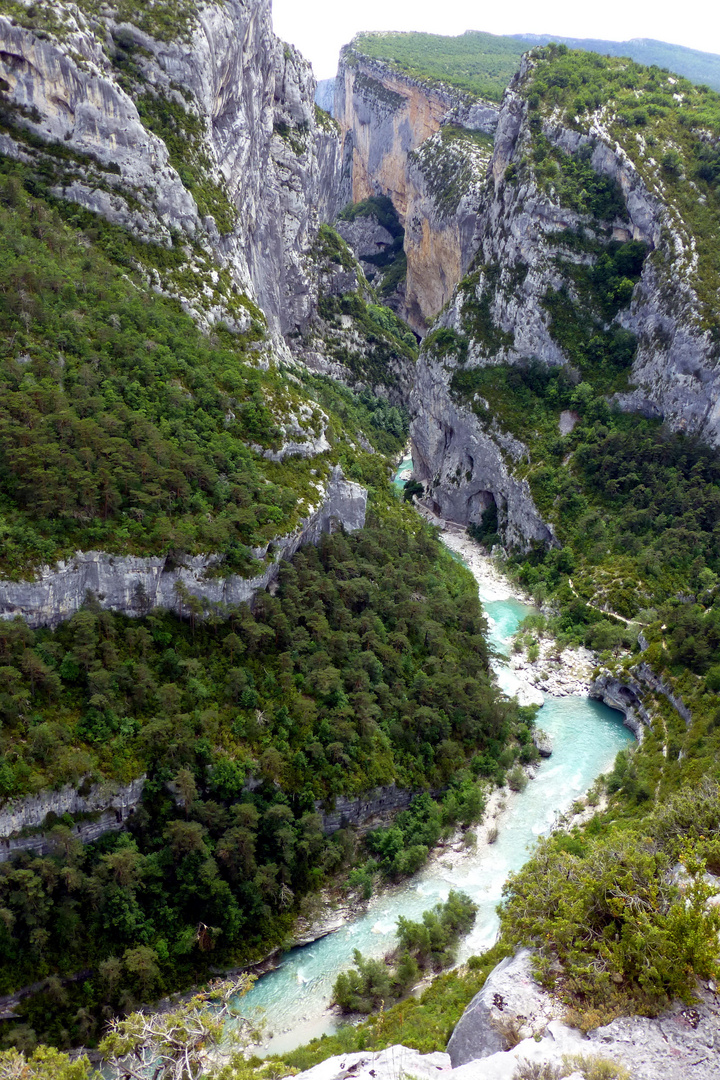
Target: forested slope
151	410
483	64
185	368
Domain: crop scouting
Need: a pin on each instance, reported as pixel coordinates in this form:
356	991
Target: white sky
319	27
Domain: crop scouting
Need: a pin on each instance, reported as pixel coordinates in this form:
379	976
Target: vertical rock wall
254	98
391	125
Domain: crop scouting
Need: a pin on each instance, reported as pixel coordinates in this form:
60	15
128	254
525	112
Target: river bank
558	672
450	858
585	736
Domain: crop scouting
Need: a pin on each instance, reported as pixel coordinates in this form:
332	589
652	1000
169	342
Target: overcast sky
320	27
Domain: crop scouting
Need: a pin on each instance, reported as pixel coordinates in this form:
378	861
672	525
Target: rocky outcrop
376	806
350	338
680	1043
421	145
257	171
625	697
134	585
467	469
108	805
628	693
396	1061
31	812
509	1007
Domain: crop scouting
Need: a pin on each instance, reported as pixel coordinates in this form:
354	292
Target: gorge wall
410	140
206	141
250	172
532	237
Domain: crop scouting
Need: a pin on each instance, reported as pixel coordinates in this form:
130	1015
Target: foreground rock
682	1044
510	1004
396	1061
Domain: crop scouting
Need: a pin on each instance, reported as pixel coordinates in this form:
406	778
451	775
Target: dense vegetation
477	64
163	19
429	944
483	64
340	682
124	427
425	1022
629	934
702	68
667	126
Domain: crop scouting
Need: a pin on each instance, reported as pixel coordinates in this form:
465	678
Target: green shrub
430	944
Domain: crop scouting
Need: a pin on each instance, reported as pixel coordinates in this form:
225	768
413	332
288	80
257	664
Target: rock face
109	803
257	172
467	469
682	1042
391	127
445	186
30	813
134	585
629	694
325	94
510	1004
380	803
501	315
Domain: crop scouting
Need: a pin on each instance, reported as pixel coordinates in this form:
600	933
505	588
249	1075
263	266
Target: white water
586	736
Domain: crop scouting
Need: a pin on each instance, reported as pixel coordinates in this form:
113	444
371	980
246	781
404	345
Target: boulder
511	1006
389	1064
543	743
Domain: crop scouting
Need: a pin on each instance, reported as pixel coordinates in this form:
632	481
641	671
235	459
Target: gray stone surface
392	1064
30	812
379	804
681	1044
325	94
510	1002
629	695
247	87
133	585
465	466
543	744
110	803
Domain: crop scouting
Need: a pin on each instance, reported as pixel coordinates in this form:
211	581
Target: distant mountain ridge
699	67
483	64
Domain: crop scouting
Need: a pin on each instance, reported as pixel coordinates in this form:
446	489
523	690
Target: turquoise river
586	736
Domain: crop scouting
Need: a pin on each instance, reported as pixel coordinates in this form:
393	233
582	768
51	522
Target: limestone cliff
558	198
208	135
134	585
468	468
194	128
401	133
